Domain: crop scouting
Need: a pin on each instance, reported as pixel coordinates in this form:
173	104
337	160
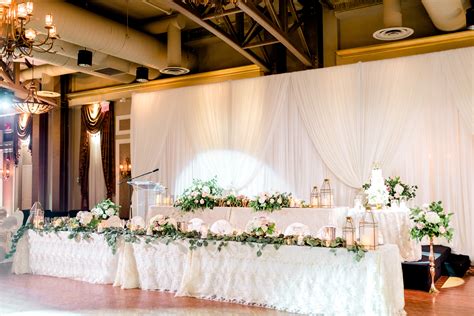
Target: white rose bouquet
105	209
270	201
200	195
261	226
164	225
396	190
431	221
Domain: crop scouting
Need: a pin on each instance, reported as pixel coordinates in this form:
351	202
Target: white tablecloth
295	279
394	227
315	218
56	255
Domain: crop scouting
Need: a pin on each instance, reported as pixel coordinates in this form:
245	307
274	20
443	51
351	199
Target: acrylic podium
144	195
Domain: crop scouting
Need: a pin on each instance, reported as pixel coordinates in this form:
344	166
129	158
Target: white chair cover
195	224
138	221
221	227
297	229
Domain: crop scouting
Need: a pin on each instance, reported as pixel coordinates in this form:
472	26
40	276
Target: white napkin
221	227
297	229
195	224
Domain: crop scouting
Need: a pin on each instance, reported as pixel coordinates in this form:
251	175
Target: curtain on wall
94	121
289	132
23	127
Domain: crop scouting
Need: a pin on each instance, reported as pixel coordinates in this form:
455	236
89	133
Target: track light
84	58
470	18
142	74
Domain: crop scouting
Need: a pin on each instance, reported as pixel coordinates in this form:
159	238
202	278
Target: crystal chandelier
16	40
32	104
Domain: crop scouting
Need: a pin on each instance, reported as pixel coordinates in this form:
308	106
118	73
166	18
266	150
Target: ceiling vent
109	71
393	33
175	71
392	20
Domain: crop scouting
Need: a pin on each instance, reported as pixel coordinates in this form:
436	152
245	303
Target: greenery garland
114	235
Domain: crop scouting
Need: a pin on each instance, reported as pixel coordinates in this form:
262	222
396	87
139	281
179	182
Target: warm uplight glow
95	110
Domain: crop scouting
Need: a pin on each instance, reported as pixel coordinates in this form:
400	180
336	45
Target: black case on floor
456	265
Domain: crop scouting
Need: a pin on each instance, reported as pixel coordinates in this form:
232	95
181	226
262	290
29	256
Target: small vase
433	288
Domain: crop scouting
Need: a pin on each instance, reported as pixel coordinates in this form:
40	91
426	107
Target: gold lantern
314	199
368	231
37	215
326	198
348	232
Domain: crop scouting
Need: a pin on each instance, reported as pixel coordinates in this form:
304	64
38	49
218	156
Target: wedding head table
292	278
394	224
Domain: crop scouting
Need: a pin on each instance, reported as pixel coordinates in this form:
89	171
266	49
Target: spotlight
142	74
470	18
84	58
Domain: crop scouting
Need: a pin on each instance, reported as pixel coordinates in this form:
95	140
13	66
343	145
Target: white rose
272	200
261	200
442	230
85	218
206	189
228	202
205	194
398	188
110	212
279	201
202	201
196	201
432	217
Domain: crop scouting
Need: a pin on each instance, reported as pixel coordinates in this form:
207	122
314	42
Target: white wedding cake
377	193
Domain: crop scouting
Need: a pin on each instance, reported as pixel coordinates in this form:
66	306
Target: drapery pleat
94	121
23	127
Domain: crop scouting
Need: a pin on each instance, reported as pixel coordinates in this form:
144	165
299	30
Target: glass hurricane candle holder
326	196
348	232
314	200
368	231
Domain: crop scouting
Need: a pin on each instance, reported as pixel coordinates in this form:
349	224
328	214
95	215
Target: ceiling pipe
71	63
99	59
49	70
86	29
447	15
392	13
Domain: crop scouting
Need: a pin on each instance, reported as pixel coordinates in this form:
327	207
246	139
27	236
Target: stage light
84	58
142	74
470	19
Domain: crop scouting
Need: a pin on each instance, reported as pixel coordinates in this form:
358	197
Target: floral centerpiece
396	189
261	226
270	201
431	221
200	195
163	225
105	209
232	200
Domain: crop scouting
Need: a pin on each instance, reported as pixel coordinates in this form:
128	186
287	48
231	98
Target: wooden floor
40	295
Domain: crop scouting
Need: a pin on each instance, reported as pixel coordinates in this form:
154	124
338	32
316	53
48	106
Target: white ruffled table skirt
294	279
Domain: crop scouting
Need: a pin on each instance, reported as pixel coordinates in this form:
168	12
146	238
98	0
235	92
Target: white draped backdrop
413	115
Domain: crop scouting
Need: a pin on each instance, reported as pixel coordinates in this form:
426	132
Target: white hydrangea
432	217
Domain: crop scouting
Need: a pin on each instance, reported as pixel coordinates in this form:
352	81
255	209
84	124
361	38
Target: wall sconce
126	168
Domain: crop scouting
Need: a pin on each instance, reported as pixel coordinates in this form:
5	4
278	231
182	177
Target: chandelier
32	104
16	40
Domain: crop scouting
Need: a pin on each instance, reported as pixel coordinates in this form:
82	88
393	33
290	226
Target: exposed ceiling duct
87	29
393	21
71	63
447	15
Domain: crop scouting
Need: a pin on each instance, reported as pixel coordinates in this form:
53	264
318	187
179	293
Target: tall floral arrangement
200	195
431	221
270	201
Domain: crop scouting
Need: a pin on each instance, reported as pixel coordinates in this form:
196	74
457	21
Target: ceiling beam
249	8
194	16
